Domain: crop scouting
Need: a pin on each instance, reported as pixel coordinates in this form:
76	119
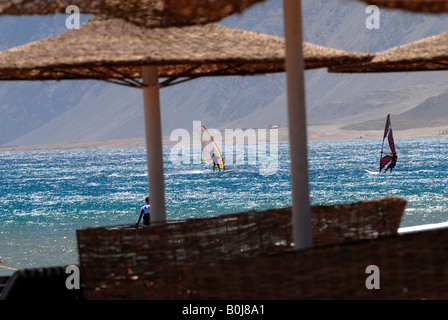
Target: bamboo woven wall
142	263
411	266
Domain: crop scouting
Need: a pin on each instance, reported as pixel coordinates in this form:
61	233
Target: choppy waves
46	195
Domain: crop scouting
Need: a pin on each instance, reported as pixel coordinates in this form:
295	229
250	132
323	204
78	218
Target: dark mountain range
47	112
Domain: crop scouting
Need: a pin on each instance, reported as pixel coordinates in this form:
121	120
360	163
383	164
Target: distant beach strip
315	133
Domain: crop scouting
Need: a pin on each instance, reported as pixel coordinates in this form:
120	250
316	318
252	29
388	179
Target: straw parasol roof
430	6
423	55
114	50
149	13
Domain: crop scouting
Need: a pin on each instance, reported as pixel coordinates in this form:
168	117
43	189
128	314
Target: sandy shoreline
315	133
333	132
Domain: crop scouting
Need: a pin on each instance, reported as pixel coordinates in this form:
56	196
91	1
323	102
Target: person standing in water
145	213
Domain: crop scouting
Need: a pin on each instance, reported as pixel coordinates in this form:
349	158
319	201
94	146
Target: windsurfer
215	162
210	151
392	162
145	211
388	154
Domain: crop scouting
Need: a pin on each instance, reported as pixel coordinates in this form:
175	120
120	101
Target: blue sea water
45	196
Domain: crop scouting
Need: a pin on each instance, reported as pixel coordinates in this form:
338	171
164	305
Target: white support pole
154	151
301	211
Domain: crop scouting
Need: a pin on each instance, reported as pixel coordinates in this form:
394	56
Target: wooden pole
301	211
154	151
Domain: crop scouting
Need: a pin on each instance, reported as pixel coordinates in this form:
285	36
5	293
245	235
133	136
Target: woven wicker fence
142	263
410	266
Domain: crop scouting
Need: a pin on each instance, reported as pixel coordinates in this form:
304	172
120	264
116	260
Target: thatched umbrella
185	12
429	6
113	50
149	13
424	55
116	51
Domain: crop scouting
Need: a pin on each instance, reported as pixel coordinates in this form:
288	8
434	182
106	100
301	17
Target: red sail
390	139
384	160
388	149
387	127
